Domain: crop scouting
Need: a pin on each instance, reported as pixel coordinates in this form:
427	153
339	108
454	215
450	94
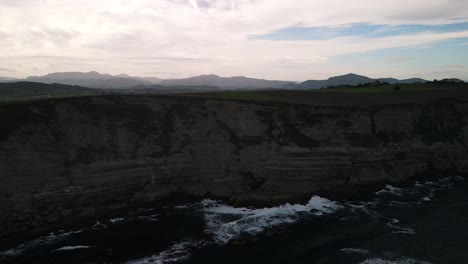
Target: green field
349	96
336	96
246	95
33	97
403	88
29	91
274	96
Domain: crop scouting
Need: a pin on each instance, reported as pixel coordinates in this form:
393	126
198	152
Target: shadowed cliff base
71	160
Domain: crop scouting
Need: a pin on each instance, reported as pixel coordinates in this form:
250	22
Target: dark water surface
424	223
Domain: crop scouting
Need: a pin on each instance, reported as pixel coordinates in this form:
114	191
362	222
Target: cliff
73	159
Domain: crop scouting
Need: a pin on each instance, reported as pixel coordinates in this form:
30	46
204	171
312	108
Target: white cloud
7	70
189	37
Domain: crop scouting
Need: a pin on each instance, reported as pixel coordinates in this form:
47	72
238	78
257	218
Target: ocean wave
399	197
393	224
52	238
176	253
381	258
117	220
98	225
148	218
355	251
226	222
68	248
417	194
152	217
398	261
389	189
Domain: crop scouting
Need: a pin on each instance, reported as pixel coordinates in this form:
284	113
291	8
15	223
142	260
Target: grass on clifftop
246	95
29	91
32	97
404	87
350	96
389	88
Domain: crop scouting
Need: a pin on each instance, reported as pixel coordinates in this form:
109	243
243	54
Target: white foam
405	230
98	225
398	229
418	184
148	218
50	239
176	253
426	199
67	248
147	215
355	250
405	204
117	220
389	189
368	211
226	222
416	195
459	178
399	261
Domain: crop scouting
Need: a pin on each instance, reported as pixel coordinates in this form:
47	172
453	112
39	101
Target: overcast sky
275	39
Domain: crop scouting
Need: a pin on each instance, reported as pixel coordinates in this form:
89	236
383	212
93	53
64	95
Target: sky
293	40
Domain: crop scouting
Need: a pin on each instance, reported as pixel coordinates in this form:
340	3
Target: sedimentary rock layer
79	158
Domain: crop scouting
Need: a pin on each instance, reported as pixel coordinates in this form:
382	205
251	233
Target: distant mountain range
123	81
226	82
348	79
93	79
97	80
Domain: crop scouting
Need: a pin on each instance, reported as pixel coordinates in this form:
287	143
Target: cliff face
83	157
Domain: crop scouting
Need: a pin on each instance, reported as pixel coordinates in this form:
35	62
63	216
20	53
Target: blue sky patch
446	57
358	30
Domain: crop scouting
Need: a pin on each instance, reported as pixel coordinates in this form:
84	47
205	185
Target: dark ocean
423	223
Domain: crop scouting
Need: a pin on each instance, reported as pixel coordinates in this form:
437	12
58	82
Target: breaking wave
66	248
52	238
398	261
226	222
176	253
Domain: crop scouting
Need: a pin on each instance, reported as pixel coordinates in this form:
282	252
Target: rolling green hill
21	91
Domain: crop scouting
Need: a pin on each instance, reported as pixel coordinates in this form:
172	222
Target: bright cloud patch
179	38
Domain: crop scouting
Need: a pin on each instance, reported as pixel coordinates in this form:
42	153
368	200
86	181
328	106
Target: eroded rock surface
79	158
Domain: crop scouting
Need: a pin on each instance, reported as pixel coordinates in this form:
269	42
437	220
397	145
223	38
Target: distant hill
452	80
6	79
161	89
225	82
152	80
94	79
123	81
348	79
25	90
75	76
13	91
393	80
